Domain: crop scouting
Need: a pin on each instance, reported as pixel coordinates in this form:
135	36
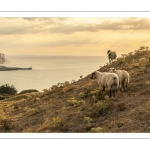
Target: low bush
2	97
32	111
97	130
121	106
88	120
99	108
81	94
75	103
122	61
147	83
5	123
143	61
136	65
28	91
8	90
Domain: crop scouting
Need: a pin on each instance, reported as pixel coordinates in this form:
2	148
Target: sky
73	36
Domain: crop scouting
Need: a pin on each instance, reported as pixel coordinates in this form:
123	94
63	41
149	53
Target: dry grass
44	126
82	107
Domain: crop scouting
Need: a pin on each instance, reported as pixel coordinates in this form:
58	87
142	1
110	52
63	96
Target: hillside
82	107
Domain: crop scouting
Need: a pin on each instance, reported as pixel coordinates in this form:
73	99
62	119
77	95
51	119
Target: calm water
48	71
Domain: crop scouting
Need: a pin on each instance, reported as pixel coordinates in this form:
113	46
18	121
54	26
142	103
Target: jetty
4	68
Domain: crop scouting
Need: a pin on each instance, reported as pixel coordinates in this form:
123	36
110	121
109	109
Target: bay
48	70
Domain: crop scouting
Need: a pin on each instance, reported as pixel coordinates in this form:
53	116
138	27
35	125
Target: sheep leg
122	87
103	89
110	61
110	94
100	94
125	88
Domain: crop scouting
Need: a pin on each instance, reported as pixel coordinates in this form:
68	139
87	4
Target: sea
48	70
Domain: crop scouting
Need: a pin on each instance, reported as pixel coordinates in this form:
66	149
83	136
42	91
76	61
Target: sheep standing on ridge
107	80
111	55
124	78
72	81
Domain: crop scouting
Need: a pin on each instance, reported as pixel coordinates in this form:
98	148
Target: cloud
19	30
126	24
29	18
28	25
33	25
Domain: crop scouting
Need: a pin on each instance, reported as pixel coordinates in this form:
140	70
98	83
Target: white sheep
72	81
107	80
111	55
124	78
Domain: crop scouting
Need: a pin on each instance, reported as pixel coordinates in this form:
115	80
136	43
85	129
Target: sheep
72	81
111	55
107	80
60	84
124	78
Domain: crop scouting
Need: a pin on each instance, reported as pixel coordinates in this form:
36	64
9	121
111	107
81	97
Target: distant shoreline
40	57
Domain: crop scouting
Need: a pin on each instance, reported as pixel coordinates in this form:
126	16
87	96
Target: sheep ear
93	75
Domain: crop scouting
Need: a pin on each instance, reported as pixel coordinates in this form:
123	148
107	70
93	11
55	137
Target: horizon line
56	55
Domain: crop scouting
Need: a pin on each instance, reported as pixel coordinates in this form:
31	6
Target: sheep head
108	51
112	69
93	76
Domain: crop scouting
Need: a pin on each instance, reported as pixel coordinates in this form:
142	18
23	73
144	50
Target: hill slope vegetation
82	106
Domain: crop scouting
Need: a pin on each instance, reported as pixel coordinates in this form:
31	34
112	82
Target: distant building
2	58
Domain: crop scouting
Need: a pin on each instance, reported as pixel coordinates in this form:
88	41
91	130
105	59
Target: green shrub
66	83
74	102
147	83
106	97
54	88
2	97
94	97
28	91
8	90
87	92
56	120
122	61
99	108
136	65
81	94
142	69
67	88
47	91
32	111
94	92
88	120
143	61
5	123
129	54
97	129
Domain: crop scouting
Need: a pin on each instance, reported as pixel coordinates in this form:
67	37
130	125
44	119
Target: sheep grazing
107	80
111	55
124	78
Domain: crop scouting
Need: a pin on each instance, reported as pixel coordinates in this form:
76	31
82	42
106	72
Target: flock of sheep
114	79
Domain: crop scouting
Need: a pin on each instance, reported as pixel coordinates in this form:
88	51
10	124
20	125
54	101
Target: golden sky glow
72	36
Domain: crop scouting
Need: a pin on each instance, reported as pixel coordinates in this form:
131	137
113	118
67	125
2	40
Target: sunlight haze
73	36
